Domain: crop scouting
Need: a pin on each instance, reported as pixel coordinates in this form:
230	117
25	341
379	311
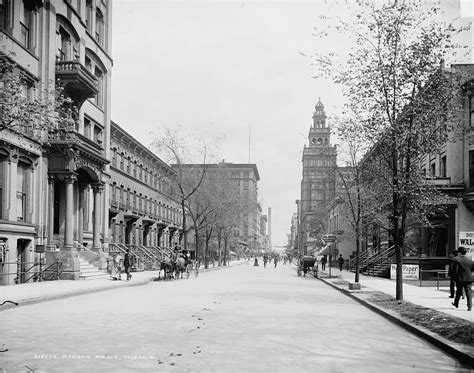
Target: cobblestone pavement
241	319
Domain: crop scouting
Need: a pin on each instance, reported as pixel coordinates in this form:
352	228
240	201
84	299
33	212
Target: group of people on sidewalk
460	274
117	266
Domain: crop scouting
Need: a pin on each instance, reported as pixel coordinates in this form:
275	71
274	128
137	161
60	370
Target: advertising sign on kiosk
409	271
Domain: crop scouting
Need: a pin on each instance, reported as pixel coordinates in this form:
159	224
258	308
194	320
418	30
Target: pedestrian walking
464	268
275	261
340	260
324	260
452	273
118	266
255	262
127	263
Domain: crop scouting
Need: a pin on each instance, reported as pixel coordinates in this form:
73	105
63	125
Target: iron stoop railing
35	271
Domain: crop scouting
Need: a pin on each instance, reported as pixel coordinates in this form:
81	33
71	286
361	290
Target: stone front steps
89	271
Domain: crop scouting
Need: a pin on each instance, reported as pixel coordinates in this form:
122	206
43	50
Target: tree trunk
206	255
219	251
225	250
183	212
357	266
196	240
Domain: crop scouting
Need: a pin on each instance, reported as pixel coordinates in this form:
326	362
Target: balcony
78	82
445	184
62	142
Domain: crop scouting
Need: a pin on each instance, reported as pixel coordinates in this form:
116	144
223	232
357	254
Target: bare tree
181	153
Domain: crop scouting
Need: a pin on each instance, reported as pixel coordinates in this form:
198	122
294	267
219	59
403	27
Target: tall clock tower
318	183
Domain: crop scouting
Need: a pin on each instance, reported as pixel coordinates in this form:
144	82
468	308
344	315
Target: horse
166	265
179	266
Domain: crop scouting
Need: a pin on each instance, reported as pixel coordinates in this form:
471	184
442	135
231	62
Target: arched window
67	40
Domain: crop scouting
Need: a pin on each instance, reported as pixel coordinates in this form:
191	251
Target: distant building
245	177
318	182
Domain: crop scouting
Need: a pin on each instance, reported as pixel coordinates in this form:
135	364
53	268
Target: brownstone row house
74	196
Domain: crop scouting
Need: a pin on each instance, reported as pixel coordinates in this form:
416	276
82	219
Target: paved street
238	319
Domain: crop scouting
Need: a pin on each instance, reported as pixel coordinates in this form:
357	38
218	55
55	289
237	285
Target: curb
46	298
419	331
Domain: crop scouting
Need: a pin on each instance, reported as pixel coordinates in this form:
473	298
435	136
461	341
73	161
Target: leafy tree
403	101
29	110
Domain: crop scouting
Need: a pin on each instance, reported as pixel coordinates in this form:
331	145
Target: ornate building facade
69	196
318	182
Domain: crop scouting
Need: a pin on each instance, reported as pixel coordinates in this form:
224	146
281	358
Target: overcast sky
227	67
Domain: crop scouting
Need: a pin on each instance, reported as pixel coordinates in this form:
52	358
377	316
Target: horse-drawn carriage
179	263
307	263
190	262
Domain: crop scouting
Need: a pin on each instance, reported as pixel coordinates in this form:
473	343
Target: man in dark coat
464	268
127	263
340	260
452	273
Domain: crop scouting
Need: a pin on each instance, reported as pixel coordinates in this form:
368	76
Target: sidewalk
428	297
37	292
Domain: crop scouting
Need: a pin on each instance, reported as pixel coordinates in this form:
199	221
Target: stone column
96	188
69	217
51	246
80	216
